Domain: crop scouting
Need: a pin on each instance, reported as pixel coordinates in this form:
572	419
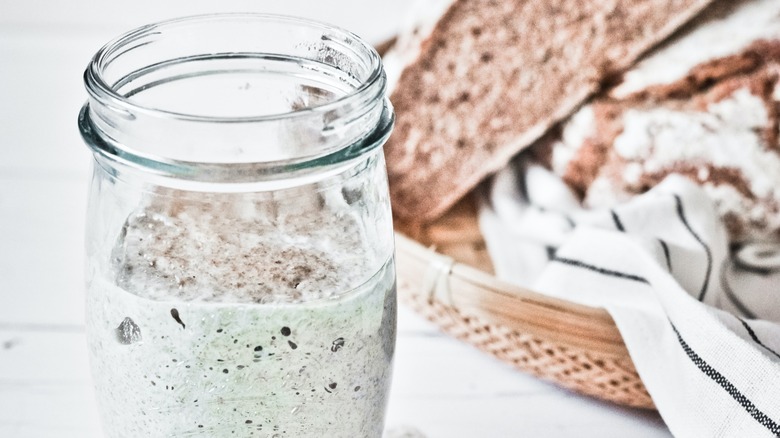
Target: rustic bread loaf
715	122
491	76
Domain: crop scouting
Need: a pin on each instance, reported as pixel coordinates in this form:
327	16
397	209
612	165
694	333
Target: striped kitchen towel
700	320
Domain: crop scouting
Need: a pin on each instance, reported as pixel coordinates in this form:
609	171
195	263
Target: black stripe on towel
755	338
522	186
681	214
750	268
665	247
600	270
729	387
729	292
616	220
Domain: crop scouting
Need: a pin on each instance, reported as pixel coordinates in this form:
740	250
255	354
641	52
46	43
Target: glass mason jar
239	245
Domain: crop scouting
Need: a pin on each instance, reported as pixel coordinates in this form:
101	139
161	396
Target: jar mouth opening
106	91
235	97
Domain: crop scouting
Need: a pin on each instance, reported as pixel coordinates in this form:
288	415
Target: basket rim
481	294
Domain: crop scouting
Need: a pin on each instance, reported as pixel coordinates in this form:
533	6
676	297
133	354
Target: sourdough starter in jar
225	323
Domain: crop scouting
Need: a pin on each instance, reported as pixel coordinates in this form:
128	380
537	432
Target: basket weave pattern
574	346
608	378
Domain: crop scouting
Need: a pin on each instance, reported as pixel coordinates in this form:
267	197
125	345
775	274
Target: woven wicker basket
444	273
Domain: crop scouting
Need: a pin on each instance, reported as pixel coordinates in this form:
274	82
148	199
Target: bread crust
494	76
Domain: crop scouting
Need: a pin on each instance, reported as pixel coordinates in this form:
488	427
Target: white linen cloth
697	322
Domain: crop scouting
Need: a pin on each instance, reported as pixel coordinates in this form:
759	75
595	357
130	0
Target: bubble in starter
128	332
337	344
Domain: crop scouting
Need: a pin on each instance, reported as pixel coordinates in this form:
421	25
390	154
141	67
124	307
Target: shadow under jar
240	277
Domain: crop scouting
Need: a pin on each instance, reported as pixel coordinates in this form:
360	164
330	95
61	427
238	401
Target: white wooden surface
441	387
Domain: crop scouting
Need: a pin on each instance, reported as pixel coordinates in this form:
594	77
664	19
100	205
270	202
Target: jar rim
108	113
102	91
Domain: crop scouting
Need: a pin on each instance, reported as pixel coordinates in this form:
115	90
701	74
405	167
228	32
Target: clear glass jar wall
239	243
